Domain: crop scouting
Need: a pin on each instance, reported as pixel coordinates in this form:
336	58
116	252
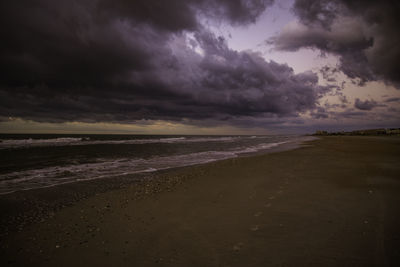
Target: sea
30	161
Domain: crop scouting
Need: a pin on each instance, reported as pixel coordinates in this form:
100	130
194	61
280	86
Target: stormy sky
198	66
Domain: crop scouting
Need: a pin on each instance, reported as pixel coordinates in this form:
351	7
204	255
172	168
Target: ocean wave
102	168
70	141
55	175
12	143
259	147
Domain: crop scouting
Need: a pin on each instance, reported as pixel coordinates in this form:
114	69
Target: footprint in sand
255	228
258	214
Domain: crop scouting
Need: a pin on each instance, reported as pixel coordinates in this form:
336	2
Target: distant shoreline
369	132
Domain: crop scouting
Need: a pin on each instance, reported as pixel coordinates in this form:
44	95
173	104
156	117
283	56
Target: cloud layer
121	61
364	34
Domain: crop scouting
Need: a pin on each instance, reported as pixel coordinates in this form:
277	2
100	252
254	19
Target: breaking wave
23	143
107	168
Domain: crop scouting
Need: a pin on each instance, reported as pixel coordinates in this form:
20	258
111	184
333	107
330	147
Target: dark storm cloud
320	113
364	34
329	73
393	99
365	105
47	41
350	113
131	60
175	15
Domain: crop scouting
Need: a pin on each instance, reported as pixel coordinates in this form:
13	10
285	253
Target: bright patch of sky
271	22
17	125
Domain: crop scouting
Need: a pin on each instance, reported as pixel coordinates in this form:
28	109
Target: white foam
66	141
161	140
102	168
259	147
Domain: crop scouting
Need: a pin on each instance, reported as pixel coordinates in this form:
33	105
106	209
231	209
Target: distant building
393	131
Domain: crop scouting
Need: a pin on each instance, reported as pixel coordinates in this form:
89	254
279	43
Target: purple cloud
365	105
364	34
124	61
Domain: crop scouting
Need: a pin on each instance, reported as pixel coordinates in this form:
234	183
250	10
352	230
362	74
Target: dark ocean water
34	161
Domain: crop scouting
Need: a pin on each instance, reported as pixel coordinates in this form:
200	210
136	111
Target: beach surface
332	202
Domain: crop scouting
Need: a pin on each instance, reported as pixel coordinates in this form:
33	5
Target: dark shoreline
22	208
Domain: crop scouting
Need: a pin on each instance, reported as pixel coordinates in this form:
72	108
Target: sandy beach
332	202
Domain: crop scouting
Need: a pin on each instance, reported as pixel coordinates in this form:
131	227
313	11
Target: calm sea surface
34	161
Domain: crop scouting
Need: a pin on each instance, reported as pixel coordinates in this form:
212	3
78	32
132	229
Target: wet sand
334	202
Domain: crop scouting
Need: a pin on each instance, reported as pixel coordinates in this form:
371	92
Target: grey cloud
364	34
320	113
247	81
350	114
393	99
121	61
343	99
89	41
365	105
175	15
329	73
